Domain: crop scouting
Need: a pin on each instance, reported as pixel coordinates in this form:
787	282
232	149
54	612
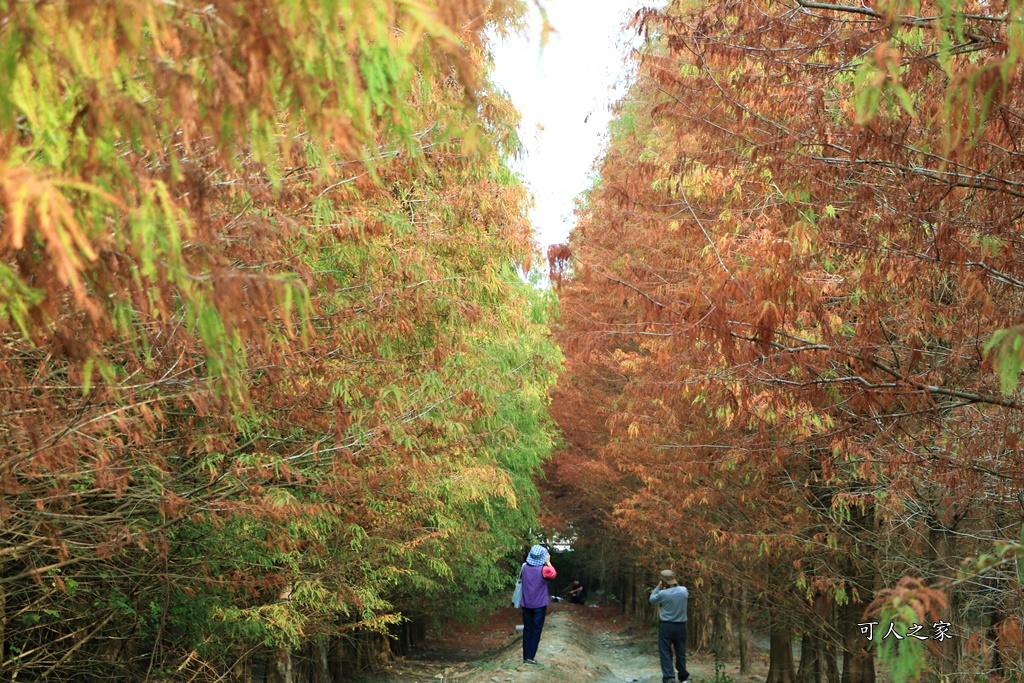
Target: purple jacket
535	587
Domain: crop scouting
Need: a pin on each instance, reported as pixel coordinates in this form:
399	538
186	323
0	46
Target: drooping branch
905	19
992	399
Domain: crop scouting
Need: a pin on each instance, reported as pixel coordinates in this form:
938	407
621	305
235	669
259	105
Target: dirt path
579	644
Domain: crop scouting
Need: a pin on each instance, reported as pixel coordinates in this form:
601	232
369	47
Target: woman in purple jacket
536	573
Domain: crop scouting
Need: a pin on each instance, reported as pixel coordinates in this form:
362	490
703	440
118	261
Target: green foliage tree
269	372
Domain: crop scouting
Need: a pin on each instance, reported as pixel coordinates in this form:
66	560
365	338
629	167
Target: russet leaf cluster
782	357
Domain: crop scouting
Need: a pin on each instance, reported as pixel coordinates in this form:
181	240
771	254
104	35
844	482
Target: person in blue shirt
671	599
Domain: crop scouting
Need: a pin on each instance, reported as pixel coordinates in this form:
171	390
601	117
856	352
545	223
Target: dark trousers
533	624
672	635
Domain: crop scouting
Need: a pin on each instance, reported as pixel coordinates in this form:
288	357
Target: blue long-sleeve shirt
671	602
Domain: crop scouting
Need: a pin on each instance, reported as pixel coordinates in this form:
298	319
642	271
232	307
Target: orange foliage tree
782	321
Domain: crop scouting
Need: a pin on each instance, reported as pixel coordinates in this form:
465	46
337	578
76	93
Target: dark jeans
672	635
533	624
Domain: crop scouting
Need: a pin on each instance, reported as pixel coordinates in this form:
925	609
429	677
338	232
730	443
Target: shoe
530	661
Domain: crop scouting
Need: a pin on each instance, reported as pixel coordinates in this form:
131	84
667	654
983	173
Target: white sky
564	93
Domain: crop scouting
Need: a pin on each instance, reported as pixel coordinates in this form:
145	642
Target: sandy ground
588	645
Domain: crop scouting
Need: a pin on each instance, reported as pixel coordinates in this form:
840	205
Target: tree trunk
698	626
337	658
817	660
817	649
720	635
742	632
279	666
241	670
808	656
3	624
631	594
943	543
320	671
642	593
858	661
780	656
996	667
